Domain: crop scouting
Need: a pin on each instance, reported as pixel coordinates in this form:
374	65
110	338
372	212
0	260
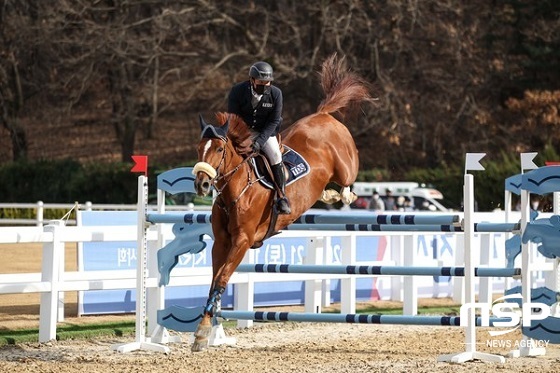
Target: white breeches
271	149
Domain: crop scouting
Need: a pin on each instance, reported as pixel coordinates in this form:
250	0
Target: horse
242	214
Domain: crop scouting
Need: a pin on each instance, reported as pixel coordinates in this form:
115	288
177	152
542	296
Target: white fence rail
39	209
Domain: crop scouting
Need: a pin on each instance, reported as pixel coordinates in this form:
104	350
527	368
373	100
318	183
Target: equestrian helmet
261	71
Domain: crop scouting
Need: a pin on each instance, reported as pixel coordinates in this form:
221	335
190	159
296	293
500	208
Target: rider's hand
256	147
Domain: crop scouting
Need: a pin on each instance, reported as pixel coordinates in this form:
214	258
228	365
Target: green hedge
67	181
48	214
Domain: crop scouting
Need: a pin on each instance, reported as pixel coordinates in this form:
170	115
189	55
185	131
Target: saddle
296	165
297	168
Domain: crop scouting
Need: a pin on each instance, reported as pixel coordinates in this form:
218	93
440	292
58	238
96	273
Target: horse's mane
238	132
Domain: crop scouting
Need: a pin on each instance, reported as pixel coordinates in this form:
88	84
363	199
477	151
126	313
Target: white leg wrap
330	196
347	196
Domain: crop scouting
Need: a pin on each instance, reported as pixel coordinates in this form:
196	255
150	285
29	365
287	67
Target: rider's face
260	85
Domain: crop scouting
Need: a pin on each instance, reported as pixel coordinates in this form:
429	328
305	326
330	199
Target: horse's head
211	155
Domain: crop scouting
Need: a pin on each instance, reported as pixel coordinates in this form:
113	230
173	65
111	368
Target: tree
443	70
105	49
19	77
535	120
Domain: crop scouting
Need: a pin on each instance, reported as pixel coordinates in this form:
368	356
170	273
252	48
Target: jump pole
350	318
141	343
380	219
156	296
376	270
469	284
316	222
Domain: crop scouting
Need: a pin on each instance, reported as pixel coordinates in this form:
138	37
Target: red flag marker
140	164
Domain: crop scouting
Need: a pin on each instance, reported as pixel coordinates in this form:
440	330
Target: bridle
226	177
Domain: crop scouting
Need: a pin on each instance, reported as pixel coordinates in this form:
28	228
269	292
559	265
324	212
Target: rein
230	173
227	177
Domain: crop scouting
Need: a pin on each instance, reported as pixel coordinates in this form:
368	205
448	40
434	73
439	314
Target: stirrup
283	206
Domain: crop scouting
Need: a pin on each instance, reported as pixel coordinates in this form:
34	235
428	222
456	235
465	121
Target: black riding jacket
266	118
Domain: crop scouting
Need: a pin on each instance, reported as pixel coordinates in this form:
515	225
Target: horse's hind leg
346	171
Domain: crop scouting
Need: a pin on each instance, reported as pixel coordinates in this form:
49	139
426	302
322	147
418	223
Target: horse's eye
220	149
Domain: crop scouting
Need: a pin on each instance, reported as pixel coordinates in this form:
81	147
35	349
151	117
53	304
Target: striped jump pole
365	218
377	270
358	222
350	318
171	218
478	227
373	227
314	219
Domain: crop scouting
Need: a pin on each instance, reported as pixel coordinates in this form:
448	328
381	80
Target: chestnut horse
242	211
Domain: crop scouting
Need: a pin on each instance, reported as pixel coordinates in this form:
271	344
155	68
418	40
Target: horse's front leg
220	252
204	329
225	260
202	333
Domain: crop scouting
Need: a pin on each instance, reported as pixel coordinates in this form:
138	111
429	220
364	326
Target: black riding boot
282	203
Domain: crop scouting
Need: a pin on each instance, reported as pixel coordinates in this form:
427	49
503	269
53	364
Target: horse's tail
341	86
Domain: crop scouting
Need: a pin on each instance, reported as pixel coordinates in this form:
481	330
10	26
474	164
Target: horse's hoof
201	336
200	345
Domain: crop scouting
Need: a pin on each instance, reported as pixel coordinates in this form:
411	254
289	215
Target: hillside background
97	81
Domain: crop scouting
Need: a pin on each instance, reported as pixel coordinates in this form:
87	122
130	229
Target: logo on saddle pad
294	162
298	169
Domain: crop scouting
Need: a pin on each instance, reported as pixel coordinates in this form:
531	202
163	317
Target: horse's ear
202	122
212	132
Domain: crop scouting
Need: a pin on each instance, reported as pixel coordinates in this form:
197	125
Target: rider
259	104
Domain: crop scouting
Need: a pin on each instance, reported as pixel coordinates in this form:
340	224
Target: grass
450	310
68	332
127	328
